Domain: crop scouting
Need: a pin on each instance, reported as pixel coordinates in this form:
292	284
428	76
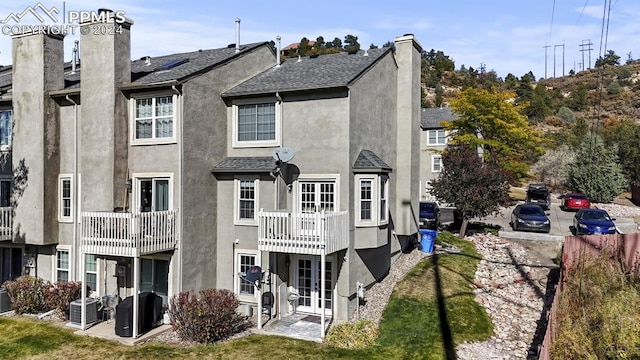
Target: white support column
323	269
136	280
259	289
83	312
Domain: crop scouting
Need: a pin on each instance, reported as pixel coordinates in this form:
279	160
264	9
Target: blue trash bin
427	240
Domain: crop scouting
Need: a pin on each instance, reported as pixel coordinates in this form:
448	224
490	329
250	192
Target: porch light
128	184
287	262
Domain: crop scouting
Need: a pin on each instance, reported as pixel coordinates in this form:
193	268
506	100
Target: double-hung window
372	200
436	137
436	163
244	261
154	119
6	124
63	265
91	268
65	198
255	125
246	201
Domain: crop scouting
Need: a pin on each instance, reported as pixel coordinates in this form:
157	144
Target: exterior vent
75	311
5	301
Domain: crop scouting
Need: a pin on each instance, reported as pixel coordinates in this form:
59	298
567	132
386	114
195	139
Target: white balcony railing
303	233
6	223
128	234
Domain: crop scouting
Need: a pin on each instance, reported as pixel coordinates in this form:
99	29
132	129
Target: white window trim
66	248
317	177
135	190
433	169
61	218
8	147
253	144
236	272
375	200
236	201
436	143
384	211
98	289
132	119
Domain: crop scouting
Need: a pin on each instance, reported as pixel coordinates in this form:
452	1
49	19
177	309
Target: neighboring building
153	174
433	140
292	49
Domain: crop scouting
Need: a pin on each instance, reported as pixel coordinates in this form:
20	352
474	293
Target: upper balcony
319	233
128	234
6	223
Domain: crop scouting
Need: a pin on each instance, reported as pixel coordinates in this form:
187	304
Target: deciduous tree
476	187
490	121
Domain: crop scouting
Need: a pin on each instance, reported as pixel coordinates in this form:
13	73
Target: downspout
75	188
180	200
76	250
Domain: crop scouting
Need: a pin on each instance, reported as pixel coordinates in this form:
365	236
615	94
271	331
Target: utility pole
554	61
554	65
545	59
586	43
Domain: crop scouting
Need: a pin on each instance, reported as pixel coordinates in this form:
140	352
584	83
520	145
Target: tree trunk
463	228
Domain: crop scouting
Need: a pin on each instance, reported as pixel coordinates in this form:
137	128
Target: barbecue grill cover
149	314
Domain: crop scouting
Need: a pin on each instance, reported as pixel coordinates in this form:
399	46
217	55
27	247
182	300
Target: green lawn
429	312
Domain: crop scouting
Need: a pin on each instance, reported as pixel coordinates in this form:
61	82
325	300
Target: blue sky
508	36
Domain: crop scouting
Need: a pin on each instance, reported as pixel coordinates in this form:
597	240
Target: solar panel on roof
172	64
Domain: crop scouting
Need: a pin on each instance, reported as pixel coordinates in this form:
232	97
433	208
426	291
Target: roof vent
365	53
147	60
313	56
231	46
299	58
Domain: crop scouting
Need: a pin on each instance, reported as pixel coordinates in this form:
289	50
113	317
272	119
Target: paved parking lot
561	225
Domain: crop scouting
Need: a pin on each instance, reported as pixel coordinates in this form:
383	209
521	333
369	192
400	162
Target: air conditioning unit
5	301
75	311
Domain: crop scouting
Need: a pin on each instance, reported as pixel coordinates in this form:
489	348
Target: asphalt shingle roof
310	73
431	118
197	62
146	74
368	160
245	164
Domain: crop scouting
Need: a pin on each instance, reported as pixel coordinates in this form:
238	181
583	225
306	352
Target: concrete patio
106	330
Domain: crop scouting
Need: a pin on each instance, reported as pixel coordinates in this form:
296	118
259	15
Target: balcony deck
303	233
6	223
128	234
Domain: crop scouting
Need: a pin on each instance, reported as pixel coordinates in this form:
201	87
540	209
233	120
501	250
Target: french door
315	196
307	281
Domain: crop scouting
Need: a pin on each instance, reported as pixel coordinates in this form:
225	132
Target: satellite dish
254	274
283	154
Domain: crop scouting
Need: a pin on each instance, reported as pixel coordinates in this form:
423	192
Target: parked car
530	217
429	215
538	194
593	221
575	201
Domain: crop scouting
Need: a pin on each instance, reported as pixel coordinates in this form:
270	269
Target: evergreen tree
596	171
351	43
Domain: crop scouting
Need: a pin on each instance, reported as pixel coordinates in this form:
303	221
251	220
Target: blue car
593	222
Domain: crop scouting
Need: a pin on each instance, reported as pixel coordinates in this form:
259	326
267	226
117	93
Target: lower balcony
319	233
128	234
6	223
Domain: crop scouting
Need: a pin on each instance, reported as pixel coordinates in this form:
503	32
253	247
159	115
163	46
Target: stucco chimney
38	67
106	64
408	52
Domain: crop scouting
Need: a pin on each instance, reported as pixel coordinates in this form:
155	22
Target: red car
575	201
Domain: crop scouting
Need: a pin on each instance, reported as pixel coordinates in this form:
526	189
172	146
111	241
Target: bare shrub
206	316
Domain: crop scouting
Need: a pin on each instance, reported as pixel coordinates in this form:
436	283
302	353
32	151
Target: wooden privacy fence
627	245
